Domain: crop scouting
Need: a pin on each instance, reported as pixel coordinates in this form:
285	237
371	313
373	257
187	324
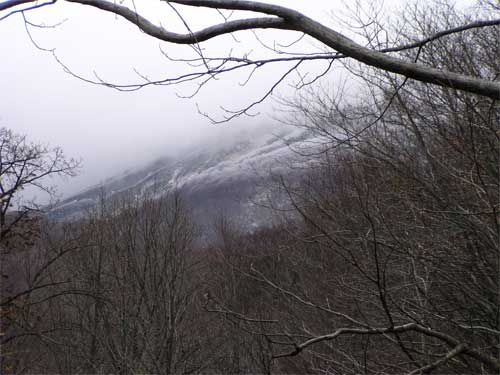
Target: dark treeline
388	261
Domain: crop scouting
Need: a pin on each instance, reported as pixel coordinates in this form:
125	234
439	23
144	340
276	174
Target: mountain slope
227	176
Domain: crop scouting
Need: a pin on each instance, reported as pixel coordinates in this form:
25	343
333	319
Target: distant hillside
231	177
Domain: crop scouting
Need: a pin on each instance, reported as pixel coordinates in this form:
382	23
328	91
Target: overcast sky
112	130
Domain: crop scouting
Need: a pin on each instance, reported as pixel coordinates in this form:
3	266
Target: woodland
385	258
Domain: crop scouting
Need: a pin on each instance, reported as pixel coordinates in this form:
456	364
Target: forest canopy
384	256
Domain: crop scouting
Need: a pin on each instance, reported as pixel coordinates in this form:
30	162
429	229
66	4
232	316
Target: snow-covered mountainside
229	177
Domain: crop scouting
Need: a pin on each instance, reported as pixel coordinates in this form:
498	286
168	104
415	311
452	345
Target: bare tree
23	165
396	267
26	165
127	300
393	268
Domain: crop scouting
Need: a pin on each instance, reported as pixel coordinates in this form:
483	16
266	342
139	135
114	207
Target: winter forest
363	239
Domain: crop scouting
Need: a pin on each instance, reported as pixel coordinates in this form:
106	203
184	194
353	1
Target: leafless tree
26	165
393	268
126	299
23	165
396	267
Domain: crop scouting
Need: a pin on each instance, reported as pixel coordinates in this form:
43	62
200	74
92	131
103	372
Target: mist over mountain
232	174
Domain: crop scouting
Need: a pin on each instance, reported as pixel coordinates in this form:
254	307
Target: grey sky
112	130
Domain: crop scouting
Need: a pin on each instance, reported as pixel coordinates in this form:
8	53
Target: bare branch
289	19
36	6
492	362
293	20
193	37
452	353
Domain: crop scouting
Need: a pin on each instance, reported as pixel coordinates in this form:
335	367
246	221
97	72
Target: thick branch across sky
278	17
